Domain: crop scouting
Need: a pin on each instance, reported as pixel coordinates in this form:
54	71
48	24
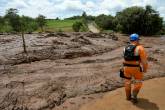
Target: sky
68	8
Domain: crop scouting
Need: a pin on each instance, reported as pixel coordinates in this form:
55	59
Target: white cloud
66	8
162	11
90	5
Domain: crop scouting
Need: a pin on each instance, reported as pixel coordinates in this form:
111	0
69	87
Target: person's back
135	63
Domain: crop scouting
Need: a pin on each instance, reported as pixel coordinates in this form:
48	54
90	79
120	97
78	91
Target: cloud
67	8
162	11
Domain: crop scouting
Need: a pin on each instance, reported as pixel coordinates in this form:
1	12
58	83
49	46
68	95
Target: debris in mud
152	59
22	58
62	34
59	34
114	38
47	97
4	41
13	100
50	35
48	53
159	51
110	36
52	93
93	35
15	84
76	34
57	42
81	40
75	54
2	60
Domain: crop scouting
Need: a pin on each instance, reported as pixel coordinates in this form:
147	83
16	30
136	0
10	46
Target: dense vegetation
105	21
141	20
12	22
145	21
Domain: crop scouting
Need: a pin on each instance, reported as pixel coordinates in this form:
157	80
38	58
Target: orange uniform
135	72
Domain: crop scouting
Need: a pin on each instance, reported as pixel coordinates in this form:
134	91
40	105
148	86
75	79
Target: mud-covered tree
23	28
77	26
41	21
27	24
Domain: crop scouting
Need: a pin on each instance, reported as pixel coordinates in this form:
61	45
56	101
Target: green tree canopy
139	20
77	26
41	21
105	21
13	18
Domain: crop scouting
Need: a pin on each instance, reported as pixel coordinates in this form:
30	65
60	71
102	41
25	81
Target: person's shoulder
140	47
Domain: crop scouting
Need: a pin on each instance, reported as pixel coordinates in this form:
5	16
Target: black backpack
129	54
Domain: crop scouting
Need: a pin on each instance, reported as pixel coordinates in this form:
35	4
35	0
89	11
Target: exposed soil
151	97
62	71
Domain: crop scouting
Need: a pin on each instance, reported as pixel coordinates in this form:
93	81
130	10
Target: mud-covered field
62	71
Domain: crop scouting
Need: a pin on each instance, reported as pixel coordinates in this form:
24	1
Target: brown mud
62	71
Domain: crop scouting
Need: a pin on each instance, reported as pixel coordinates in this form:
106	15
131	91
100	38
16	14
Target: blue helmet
134	37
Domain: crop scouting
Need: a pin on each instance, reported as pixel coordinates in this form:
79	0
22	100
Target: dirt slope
93	28
152	97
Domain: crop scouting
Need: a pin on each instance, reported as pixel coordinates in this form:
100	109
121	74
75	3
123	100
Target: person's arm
143	58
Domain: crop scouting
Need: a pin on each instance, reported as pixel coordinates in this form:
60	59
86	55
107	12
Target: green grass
63	25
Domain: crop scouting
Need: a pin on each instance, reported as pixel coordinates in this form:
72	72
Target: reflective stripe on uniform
123	51
137	51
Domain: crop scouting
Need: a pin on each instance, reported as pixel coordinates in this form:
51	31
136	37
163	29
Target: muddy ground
62	71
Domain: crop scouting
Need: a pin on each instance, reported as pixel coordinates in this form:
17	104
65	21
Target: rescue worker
135	64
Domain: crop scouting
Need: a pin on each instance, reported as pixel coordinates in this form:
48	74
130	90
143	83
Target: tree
41	21
105	21
31	24
23	28
153	23
20	24
57	18
84	15
77	26
139	20
2	23
13	18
